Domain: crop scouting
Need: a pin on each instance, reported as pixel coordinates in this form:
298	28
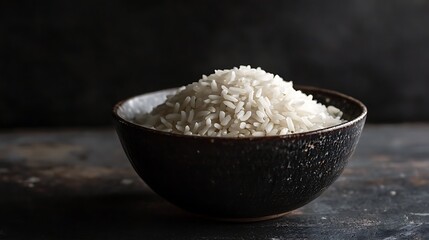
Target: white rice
240	102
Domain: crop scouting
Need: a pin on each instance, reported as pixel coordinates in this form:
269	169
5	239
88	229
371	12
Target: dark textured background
65	63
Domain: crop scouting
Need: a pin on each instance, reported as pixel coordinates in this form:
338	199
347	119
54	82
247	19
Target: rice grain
240	102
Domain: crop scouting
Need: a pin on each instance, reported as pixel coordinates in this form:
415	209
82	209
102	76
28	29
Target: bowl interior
144	103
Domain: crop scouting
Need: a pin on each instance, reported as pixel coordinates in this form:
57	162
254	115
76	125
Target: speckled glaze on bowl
240	179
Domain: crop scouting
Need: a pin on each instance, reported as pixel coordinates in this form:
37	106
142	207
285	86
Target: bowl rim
286	136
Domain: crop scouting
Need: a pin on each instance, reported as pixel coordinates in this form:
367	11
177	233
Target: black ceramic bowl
242	179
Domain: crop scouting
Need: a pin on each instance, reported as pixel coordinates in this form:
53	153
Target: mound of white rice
240	102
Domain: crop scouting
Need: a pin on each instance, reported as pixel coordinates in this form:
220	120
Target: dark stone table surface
78	184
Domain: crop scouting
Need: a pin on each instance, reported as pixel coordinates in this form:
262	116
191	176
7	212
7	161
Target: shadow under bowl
240	179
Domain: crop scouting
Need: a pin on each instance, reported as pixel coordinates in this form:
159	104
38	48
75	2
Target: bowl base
251	219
